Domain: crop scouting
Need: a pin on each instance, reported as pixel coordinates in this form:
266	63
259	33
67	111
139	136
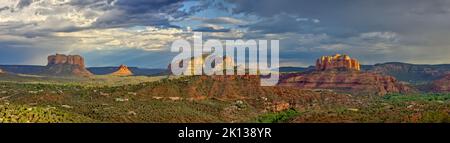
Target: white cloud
379	35
48	13
333	47
146	38
316	20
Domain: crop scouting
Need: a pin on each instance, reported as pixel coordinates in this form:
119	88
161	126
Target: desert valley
336	89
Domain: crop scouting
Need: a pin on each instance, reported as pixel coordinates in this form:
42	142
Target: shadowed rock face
358	83
66	65
442	85
123	71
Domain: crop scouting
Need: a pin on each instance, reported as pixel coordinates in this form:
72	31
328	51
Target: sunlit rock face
358	83
342	73
66	65
199	64
337	61
63	59
122	71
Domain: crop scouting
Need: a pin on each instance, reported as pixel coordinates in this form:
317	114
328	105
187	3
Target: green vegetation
24	114
278	117
431	97
393	108
202	100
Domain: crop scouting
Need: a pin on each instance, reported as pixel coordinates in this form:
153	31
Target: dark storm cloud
349	16
420	26
284	23
144	6
126	13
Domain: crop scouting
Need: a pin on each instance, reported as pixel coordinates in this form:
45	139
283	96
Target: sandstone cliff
122	71
57	59
66	65
340	62
196	63
358	83
442	85
342	73
225	88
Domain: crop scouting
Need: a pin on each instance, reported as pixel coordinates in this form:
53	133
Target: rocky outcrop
1	71
122	71
233	88
339	62
358	83
342	73
442	85
66	65
197	63
58	59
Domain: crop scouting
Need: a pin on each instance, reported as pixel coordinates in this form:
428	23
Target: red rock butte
122	71
337	61
66	65
63	59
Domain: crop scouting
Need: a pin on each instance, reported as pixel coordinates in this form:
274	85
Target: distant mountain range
33	70
412	73
295	69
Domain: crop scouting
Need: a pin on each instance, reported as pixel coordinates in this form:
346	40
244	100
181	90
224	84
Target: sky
140	32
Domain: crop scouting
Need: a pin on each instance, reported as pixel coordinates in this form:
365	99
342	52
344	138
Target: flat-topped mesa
66	59
337	61
66	65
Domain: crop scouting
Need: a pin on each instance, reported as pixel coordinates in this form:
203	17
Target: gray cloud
347	17
211	29
284	23
373	30
23	3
